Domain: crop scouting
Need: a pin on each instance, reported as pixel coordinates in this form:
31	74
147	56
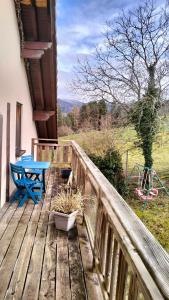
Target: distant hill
67	105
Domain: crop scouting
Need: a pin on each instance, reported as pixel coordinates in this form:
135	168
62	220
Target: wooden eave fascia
41	3
37	45
26	2
38	3
32	54
39	115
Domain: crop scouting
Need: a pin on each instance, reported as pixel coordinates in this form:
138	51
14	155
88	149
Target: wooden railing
129	261
50	150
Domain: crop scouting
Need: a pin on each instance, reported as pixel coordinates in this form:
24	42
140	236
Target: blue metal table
43	165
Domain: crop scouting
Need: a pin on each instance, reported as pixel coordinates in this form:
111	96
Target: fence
129	261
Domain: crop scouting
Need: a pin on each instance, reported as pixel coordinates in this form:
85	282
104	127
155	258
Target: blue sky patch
80	25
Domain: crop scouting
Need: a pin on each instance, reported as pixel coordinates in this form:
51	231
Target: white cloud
79	30
64	49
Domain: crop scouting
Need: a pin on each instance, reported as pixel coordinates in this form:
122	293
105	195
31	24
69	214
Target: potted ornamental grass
65	207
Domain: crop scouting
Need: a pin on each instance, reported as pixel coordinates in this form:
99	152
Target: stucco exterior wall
13	87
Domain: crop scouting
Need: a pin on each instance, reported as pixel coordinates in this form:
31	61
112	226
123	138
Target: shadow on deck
38	262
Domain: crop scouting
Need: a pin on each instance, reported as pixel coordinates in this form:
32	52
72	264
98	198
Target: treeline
93	115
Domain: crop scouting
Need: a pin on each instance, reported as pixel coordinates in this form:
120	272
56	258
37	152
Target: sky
80	27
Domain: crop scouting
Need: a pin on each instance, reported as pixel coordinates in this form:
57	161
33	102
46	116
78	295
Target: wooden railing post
114	270
32	147
87	185
109	256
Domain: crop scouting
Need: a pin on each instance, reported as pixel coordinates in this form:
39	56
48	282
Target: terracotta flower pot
64	221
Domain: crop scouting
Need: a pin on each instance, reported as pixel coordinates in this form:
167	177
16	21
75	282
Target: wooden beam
26	2
52	127
41	3
42	129
32	54
37	45
28	16
38	3
37	84
42	115
30	84
43	23
48	74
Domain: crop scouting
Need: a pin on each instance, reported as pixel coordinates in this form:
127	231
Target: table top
33	164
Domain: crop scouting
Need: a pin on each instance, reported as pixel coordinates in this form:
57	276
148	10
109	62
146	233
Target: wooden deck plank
17	282
92	283
33	279
6	218
78	289
63	291
47	288
9	261
10	231
39	262
4	209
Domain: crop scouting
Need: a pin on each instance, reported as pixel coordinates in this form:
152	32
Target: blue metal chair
26	157
26	187
35	174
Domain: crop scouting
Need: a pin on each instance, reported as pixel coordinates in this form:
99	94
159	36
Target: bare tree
135	49
132	66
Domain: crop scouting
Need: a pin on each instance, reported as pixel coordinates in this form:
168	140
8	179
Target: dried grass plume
67	202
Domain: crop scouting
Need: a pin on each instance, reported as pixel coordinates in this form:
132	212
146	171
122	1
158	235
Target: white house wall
13	87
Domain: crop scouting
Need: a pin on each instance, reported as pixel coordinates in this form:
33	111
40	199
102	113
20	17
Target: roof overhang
39	53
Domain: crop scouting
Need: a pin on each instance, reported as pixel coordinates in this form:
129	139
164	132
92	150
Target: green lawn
156	215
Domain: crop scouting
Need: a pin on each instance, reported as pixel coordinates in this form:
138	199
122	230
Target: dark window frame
18	137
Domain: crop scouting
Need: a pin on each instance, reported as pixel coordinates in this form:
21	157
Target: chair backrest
26	157
17	173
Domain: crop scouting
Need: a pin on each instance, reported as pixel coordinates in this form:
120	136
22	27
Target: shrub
64	130
111	166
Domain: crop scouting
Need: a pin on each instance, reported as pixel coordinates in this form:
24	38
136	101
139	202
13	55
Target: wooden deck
38	262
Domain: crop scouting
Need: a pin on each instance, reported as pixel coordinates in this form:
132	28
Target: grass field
156	215
124	139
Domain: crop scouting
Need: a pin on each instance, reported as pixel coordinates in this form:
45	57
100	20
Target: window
18	128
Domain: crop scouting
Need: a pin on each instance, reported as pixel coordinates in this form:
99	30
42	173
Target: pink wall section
13	87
